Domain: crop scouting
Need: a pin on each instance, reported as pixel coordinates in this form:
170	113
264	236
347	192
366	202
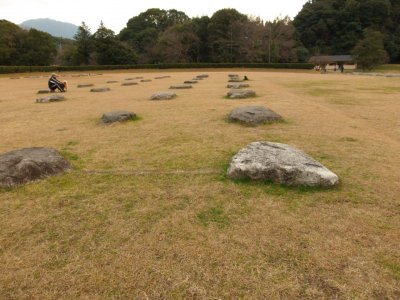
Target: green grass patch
213	215
390	263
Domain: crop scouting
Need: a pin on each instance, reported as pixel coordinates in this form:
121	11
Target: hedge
25	69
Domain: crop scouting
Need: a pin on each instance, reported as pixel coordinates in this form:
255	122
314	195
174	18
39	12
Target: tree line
159	36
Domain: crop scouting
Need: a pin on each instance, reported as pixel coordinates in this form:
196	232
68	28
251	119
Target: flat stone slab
163	96
180	86
112	81
52	98
190	82
253	115
145	80
100	90
29	164
202	76
280	163
241	94
43	91
238	85
162	77
234	79
129	83
85	85
130	78
233	75
117	116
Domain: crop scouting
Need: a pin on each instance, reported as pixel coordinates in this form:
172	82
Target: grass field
147	212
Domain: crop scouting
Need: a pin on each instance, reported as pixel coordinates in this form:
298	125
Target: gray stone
52	98
163	96
29	164
43	91
202	76
253	115
237	85
100	90
117	116
235	79
85	85
280	163
241	94
190	81
129	83
181	86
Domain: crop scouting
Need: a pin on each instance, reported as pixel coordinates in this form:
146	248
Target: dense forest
358	27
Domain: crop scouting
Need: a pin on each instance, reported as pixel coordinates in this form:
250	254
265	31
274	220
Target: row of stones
276	162
267	161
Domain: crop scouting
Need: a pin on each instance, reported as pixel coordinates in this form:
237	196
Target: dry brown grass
148	214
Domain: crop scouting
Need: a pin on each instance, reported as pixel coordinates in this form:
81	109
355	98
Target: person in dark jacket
55	84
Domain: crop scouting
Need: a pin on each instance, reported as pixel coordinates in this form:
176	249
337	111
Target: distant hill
53	27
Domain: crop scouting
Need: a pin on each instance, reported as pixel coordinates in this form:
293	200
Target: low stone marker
163	96
234	79
85	85
241	94
112	81
253	115
202	76
280	163
100	90
237	85
117	116
145	80
130	78
190	81
43	91
181	86
129	83
29	164
233	75
52	98
162	77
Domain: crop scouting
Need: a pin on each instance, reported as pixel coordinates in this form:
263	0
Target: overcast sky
115	13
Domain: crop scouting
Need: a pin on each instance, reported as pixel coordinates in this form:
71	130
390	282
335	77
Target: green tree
223	40
179	44
201	52
9	34
109	50
369	52
84	44
35	48
335	26
142	31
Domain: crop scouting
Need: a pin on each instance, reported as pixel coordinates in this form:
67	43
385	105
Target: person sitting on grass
54	84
